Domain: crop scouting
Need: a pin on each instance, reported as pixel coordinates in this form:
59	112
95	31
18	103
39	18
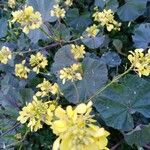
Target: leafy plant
66	63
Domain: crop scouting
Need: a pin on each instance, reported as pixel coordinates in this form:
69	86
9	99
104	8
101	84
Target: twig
39	49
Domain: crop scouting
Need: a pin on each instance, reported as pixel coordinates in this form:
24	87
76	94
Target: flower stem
76	91
113	81
49	36
16	143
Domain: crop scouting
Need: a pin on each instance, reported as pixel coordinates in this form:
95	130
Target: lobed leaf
141	36
132	9
120	101
140	136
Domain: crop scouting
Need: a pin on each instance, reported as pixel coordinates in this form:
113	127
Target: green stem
49	36
16	143
10	129
76	91
113	81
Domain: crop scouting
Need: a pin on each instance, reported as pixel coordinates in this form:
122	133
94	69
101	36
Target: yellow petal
81	108
56	144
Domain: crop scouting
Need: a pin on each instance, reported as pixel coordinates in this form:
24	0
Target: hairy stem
113	81
16	143
76	91
49	36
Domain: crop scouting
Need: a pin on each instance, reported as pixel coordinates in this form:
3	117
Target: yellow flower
78	51
58	12
76	129
55	90
21	70
38	62
46	88
92	30
5	55
71	73
140	61
106	18
69	2
28	19
35	114
11	3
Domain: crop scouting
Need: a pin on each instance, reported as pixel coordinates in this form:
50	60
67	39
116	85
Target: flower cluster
92	30
76	130
140	61
106	18
11	3
5	55
58	11
75	127
78	51
21	70
36	113
46	88
38	62
71	73
28	19
69	2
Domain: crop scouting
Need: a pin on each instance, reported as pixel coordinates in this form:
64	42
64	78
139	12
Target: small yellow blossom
21	70
69	2
106	18
76	129
35	114
28	19
71	73
38	62
140	61
11	3
55	90
78	51
5	55
92	30
58	11
46	88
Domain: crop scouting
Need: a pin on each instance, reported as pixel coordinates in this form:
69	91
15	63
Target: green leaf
132	9
108	4
37	34
78	22
62	32
112	4
94	42
26	95
94	77
141	36
3	27
23	42
120	101
63	58
44	7
112	59
140	136
118	44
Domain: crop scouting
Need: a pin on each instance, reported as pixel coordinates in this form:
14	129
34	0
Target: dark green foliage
123	108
